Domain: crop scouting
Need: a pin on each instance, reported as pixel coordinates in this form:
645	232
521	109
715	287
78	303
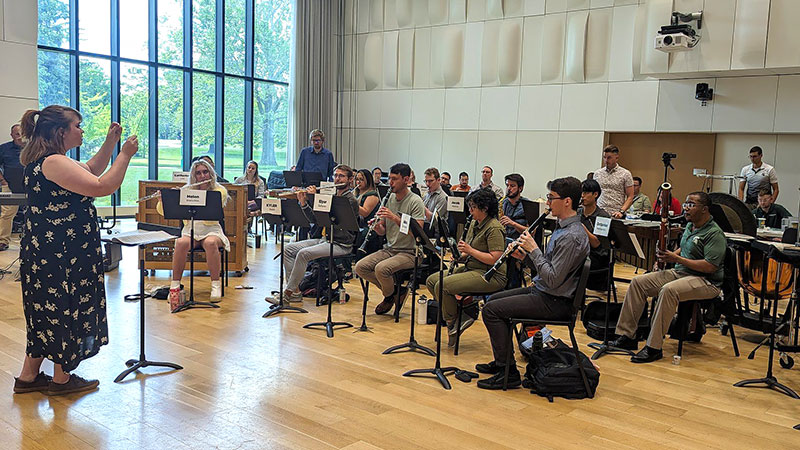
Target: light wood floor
258	383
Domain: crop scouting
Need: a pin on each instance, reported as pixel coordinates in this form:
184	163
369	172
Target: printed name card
327	188
193	197
455	204
601	226
179	176
271	206
405	221
322	202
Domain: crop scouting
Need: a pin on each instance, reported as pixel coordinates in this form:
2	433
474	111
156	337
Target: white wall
532	85
18	61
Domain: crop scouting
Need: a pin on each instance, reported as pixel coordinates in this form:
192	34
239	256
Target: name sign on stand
193	197
271	206
327	188
322	203
601	226
405	221
179	176
455	204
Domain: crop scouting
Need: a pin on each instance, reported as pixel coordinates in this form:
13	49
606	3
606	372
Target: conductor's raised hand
114	132
131	146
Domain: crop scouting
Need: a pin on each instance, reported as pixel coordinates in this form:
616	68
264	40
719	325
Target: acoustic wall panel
575	47
390	15
347	100
678	111
476	10
784	34
421	17
745	104
427	109
462	108
509	51
717	43
393	147
22	81
534	7
494	9
349	17
451	58
373	61
425	150
458	11
532	50
12	108
362	16
499	107
437	53
405	59
396	109
598	45
632	106
366	142
575	5
788	108
535	160
578	154
473	45
438	11
376	15
583	107
639	41
626	2
422	58
513	8
730	151
601	3
404	13
496	149
349	65
555	6
489	53
539	107
658	13
552	47
680	62
368	109
750	34
390	59
459	149
621	53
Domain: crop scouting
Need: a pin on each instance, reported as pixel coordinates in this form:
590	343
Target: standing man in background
486	182
616	183
316	158
757	175
9	159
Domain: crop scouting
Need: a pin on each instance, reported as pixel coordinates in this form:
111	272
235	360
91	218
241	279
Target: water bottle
342	295
537	342
422	310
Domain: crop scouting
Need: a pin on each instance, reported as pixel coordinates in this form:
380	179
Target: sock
216	283
175	284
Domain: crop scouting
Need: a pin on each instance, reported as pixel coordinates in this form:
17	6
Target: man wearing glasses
435	199
555	282
757	175
697	275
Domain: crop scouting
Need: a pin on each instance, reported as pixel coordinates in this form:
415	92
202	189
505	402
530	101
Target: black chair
692	309
223	259
577	305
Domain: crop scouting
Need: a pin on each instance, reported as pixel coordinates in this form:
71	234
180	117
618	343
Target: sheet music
636	245
138	237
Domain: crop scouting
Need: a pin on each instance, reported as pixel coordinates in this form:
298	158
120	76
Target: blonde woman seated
208	235
251	177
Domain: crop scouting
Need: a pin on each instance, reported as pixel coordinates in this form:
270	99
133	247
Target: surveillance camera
703	93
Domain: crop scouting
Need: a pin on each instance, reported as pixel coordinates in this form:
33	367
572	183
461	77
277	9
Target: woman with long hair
366	194
61	266
251	177
208	234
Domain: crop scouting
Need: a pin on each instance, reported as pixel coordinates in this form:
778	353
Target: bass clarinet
371	232
663	232
514	247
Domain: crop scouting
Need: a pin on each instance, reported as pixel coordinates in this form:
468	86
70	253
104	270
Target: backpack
554	372
594	318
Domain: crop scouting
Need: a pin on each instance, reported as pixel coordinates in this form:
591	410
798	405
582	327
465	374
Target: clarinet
371	232
456	255
514	247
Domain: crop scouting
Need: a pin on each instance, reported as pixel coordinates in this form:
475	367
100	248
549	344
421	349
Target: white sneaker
216	291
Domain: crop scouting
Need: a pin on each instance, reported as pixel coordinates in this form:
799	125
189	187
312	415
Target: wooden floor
255	383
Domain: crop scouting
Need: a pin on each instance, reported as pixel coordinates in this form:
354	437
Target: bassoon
665	198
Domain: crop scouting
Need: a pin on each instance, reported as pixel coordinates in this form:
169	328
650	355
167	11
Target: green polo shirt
707	242
774	216
487	236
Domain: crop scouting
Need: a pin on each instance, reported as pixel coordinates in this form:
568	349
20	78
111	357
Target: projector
674	42
677	36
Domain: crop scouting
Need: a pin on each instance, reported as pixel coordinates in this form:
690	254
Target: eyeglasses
550	198
689	205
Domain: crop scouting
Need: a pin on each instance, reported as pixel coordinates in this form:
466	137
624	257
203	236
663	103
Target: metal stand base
329	326
276	309
194	304
364	327
136	364
602	349
410	346
439	372
770	383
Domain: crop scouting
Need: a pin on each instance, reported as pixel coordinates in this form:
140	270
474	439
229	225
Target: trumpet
513	248
371	232
158	191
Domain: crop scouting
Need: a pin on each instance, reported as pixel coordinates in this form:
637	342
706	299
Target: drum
751	275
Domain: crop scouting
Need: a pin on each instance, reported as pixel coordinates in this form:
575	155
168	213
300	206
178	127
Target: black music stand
312	178
532	212
293	178
170	200
769	381
618	239
365	289
136	364
422	241
437	371
290	212
341	217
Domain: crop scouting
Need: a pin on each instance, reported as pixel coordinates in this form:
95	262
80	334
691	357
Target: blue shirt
321	162
9	156
566	250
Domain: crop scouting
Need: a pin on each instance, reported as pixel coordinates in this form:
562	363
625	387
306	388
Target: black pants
520	303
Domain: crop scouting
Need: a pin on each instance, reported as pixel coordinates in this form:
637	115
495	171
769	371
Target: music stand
312	178
289	211
293	178
343	218
136	364
618	239
170	200
14	177
422	241
438	371
382	190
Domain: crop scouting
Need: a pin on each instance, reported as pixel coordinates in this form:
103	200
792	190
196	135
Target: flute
158	192
308	190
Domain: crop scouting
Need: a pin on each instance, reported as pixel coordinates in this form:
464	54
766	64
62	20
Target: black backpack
554	372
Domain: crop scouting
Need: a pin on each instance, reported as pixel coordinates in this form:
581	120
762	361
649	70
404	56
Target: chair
577	304
223	259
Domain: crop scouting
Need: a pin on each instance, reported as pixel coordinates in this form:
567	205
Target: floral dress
63	294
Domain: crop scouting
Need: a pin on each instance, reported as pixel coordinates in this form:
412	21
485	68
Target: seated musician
297	255
590	191
514	221
435	199
550	297
768	210
208	234
483	245
463	183
697	275
366	194
398	254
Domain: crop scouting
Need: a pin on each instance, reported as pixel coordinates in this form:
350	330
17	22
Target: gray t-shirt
411	205
436	201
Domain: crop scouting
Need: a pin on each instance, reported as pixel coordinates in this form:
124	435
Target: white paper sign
423	191
405	220
182	177
271	206
322	203
601	226
327	188
193	197
455	204
636	245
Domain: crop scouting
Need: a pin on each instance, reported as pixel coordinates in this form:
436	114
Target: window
154	67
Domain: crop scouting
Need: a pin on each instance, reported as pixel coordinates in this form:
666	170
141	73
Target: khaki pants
672	288
379	267
7	213
460	282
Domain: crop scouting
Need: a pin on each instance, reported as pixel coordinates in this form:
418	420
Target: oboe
371	232
514	247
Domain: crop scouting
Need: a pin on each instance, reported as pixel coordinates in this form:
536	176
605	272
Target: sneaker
175	300
216	292
466	322
74	384
39	384
294	297
495	382
489	368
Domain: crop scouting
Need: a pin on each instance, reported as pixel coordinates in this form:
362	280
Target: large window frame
153	64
